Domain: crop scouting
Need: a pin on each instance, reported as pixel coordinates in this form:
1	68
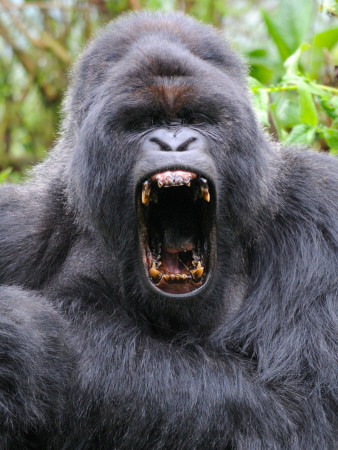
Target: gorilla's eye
145	123
196	119
176	216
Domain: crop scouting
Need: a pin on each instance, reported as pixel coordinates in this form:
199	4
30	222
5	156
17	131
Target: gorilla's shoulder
35	232
318	168
310	187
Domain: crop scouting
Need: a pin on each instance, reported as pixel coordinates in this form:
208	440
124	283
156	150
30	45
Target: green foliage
293	103
301	110
4	174
289	25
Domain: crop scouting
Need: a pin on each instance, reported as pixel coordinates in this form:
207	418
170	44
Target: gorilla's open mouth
176	216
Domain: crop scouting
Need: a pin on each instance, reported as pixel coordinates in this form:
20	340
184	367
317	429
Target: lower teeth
174	277
157	275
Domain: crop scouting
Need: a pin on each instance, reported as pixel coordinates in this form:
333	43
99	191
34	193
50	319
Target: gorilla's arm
35	369
144	393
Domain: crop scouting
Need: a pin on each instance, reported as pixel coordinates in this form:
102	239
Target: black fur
90	357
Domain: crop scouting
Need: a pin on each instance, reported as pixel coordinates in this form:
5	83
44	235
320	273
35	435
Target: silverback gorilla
169	276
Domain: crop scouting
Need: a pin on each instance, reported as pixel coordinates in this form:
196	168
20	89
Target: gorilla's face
167	154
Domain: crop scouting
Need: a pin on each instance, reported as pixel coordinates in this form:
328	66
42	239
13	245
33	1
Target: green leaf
290	24
261	106
254	83
292	63
326	39
330	135
330	105
288	112
296	15
4	174
276	35
257	53
301	134
308	111
261	72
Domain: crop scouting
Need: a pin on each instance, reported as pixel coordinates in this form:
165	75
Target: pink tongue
171	262
171	258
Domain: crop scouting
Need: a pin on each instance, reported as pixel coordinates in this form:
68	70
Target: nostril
163	145
184	146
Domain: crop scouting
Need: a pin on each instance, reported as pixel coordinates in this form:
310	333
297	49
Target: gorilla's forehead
159	63
171	83
173	69
133	47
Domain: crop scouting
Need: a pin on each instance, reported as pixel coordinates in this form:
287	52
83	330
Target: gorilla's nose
173	141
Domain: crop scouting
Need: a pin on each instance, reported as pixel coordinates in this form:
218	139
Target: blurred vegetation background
291	47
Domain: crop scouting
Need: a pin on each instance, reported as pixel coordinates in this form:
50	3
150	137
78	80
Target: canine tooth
205	189
155	274
146	188
198	272
187	182
159	183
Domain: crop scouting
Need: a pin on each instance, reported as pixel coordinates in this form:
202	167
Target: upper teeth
172	181
176	178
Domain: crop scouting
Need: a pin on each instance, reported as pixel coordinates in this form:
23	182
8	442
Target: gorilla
168	274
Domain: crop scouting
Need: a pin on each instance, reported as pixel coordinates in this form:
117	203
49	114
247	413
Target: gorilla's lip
176	212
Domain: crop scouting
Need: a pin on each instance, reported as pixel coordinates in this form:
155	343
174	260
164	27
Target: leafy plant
297	108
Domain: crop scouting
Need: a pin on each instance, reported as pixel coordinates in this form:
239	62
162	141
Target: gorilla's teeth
205	189
173	178
172	277
198	272
146	188
155	274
